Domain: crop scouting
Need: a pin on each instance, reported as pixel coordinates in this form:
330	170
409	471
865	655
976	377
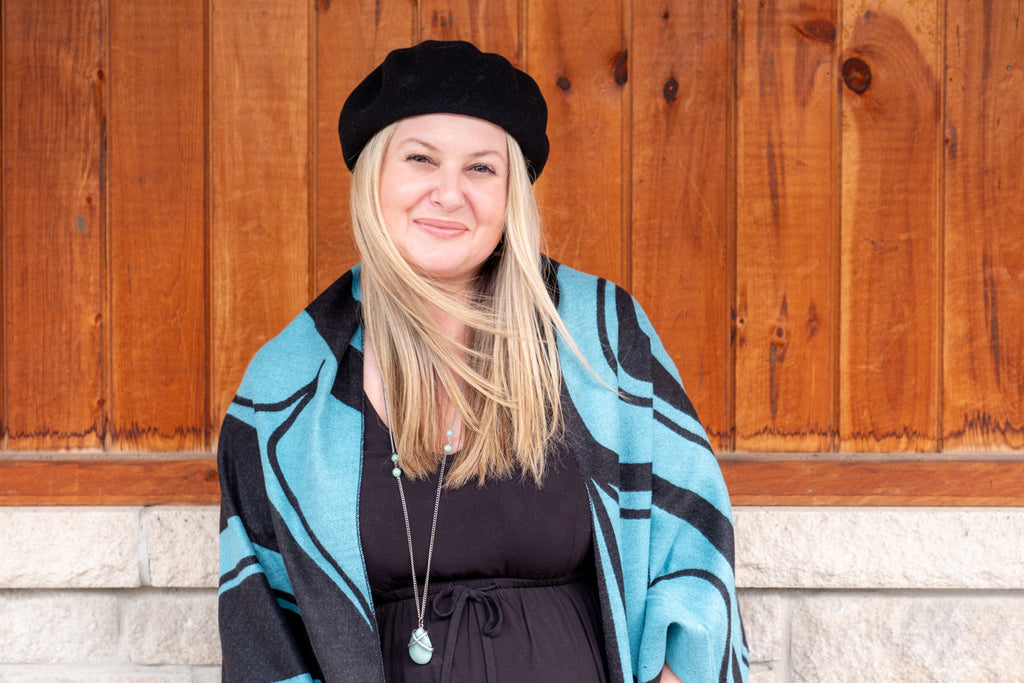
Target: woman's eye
418	158
483	168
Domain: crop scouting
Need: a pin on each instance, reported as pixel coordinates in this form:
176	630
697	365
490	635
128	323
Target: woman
464	461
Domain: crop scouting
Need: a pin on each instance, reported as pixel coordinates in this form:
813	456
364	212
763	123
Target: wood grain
54	121
947	483
786	228
352	38
678	227
109	482
819	203
491	25
750	482
890	231
983	338
572	51
261	164
157	188
3	248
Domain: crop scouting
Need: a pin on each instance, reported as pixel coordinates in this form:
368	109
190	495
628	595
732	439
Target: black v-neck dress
512	593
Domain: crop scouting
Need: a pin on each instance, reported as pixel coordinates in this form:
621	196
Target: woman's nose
448	192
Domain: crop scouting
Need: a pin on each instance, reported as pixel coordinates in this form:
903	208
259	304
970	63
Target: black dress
512	590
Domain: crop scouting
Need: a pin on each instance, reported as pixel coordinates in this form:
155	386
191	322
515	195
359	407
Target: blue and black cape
295	603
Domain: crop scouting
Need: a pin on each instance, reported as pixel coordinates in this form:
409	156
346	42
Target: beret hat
446	77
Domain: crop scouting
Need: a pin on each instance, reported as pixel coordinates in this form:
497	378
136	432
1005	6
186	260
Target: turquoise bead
394	457
397	472
420	647
450	433
447	449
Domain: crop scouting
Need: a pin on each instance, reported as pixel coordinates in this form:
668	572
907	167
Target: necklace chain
421	605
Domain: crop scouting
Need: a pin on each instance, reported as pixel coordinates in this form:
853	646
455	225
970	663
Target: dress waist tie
451	602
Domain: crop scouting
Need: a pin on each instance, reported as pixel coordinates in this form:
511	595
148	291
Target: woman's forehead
452	131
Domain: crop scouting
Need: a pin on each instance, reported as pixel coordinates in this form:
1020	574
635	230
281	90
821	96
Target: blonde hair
505	381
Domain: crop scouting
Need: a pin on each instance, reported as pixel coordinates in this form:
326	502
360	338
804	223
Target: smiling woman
443	188
465	461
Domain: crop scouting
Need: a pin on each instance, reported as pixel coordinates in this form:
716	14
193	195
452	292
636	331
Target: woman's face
443	187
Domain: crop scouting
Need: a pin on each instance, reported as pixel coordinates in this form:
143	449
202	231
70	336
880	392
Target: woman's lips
441	228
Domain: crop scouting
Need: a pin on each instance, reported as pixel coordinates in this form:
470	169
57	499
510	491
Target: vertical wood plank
53	121
260	164
491	25
352	38
983	342
3	242
890	177
577	53
680	75
786	195
157	227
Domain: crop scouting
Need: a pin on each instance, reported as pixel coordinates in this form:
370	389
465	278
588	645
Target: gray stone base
827	594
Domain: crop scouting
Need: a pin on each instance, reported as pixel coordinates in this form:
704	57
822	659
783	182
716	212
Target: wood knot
780	338
621	70
856	75
563	83
671	90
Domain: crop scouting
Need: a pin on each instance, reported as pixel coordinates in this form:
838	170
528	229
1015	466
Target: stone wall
882	594
828	594
113	594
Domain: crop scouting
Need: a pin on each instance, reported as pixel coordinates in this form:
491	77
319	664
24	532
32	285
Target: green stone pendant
420	647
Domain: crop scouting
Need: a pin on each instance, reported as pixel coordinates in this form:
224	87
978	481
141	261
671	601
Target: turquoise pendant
420	647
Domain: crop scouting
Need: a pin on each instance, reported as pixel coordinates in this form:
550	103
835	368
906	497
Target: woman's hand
668	677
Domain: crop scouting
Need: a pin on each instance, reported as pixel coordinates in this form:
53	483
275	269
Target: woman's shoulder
566	280
316	336
582	293
607	323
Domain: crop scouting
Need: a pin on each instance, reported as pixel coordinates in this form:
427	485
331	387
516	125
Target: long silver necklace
420	647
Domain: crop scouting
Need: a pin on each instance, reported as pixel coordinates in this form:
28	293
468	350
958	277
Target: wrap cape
295	603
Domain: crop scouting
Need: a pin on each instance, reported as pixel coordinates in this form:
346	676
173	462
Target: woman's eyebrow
434	148
486	152
417	141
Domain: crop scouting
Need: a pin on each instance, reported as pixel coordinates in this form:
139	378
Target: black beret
447	77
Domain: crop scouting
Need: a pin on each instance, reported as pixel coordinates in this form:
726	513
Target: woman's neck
452	328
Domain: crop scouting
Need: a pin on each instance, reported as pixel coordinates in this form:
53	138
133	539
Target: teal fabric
295	600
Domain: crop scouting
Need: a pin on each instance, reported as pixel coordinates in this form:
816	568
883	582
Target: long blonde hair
505	381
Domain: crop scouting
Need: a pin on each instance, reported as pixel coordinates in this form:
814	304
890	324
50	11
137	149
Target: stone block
181	546
173	627
758	675
69	547
206	675
764	623
857	548
96	674
40	628
907	638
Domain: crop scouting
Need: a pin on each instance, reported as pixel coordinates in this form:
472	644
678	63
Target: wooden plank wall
156	154
891	274
787	194
54	237
820	204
